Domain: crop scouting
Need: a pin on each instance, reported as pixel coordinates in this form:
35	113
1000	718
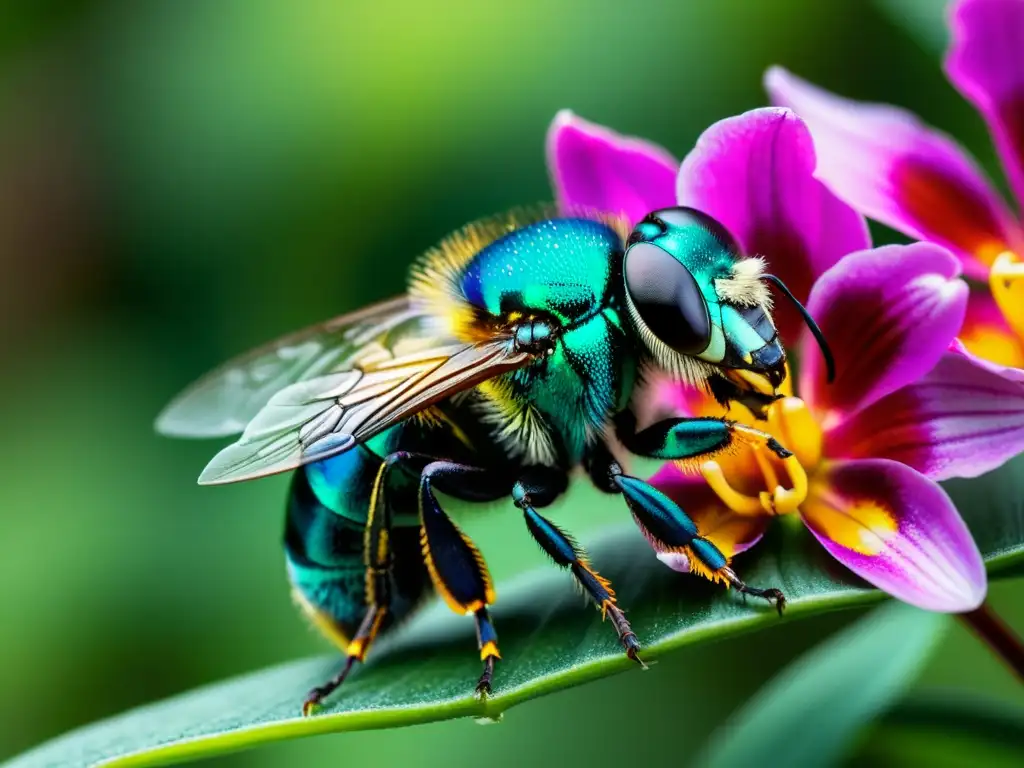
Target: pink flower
903	412
890	166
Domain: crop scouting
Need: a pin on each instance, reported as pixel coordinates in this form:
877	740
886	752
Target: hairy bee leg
566	553
378	561
691	439
668	528
453	561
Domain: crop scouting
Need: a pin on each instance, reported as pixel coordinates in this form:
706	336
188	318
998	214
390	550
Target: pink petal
898	530
891	167
961	420
1009	372
889	315
755	174
986	64
595	168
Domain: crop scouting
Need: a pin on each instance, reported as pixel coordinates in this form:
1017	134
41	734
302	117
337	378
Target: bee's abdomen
324	552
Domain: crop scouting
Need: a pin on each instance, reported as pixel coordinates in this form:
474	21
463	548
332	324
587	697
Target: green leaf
946	728
813	711
549	641
993	507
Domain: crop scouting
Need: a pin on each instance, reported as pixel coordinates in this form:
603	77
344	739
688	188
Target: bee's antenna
830	363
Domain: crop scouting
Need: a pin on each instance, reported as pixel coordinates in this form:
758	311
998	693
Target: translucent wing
318	418
224	401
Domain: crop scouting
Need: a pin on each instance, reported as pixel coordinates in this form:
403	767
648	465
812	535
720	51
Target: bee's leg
691	439
378	562
539	488
663	522
455	564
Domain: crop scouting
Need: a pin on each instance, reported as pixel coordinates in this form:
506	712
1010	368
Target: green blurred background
181	179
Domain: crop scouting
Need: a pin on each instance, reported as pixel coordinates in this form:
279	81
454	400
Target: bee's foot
314	699
775	596
312	704
483	686
626	635
772	595
633	652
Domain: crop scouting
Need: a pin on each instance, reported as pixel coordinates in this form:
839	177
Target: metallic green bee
512	361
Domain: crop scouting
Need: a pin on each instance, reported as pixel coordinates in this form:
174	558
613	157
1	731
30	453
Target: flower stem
997	635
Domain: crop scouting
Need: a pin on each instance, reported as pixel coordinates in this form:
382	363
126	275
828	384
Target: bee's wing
321	417
225	400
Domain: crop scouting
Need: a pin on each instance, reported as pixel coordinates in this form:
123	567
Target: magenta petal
962	419
986	62
898	530
755	174
889	315
660	396
593	167
1008	372
891	167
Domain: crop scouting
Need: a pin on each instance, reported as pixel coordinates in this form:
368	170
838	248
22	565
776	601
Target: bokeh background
182	179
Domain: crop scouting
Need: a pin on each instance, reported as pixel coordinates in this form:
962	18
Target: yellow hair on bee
320	621
584	563
744	285
435	276
693	464
699	568
434	418
434	279
442	589
516	425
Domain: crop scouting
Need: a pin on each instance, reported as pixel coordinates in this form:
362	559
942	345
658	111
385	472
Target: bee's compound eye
667	298
681	219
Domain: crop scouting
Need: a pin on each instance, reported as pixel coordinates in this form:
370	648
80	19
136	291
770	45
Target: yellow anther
1006	280
793	424
797	429
771	479
783	501
733	499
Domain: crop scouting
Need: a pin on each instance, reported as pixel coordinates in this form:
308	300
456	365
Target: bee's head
700	307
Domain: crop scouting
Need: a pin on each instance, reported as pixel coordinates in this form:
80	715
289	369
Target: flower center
1006	280
757	482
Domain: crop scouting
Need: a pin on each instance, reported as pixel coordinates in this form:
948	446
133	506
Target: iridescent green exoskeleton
512	360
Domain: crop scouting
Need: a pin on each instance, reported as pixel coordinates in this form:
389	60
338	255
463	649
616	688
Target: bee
512	361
